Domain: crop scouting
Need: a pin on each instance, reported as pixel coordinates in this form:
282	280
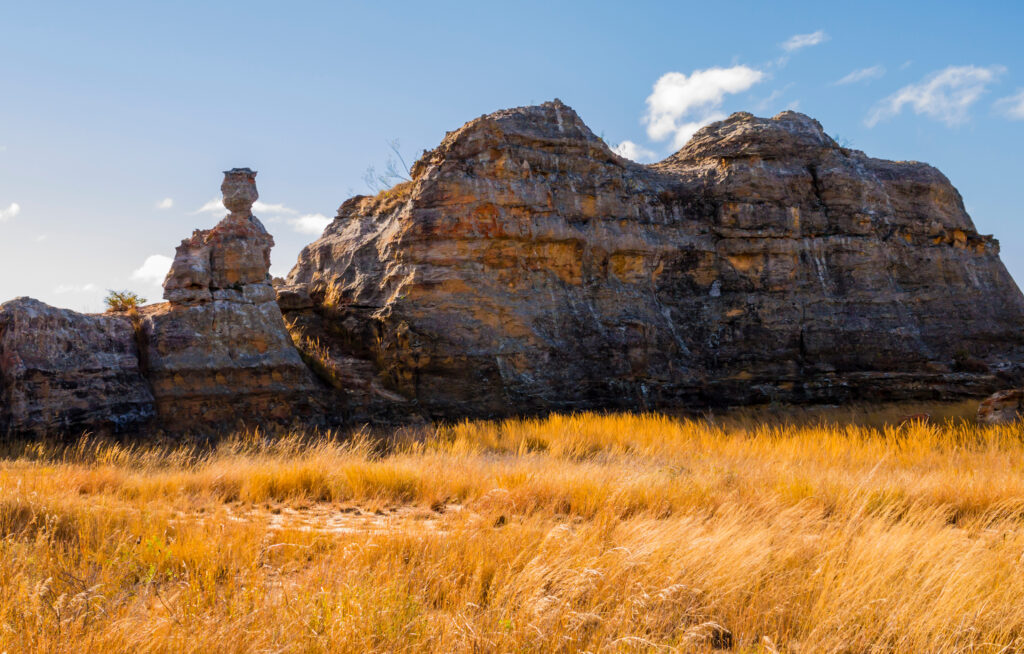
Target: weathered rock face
527	267
218	352
230	261
63	372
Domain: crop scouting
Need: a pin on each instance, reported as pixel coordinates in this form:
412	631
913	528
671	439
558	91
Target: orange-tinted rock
63	372
233	254
224	362
527	267
218	353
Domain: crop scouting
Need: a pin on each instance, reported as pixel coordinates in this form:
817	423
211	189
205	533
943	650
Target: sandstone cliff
217	352
527	267
215	355
63	372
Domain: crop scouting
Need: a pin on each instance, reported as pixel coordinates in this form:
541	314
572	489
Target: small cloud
681	104
633	152
861	75
153	269
272	208
798	41
1013	106
216	207
945	95
906	64
314	223
75	288
10	212
166	203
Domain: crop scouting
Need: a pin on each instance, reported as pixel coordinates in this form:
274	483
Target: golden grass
601	533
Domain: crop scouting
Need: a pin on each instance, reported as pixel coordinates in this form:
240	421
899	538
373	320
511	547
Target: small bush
123	301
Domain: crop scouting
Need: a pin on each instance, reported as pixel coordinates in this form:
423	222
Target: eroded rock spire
232	260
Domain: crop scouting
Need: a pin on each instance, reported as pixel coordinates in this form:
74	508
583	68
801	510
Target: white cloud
313	223
633	152
75	288
798	41
216	207
166	203
681	104
860	75
945	95
153	269
42	237
261	207
1013	106
10	212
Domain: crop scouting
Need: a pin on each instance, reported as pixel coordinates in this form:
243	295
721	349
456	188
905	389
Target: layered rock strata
527	267
216	355
63	372
218	352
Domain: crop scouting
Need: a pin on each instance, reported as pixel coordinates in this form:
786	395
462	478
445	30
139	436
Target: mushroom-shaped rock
228	257
219	352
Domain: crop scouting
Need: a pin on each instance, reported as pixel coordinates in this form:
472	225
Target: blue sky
116	119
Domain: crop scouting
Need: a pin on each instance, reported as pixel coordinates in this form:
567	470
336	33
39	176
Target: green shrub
123	301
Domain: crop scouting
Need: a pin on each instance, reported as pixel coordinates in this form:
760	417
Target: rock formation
218	351
63	372
215	355
526	267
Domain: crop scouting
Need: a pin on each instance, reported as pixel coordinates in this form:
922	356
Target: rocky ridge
526	267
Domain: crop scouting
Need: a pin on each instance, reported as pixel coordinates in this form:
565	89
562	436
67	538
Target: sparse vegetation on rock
123	301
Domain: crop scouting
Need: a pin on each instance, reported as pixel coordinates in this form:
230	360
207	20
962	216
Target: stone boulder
63	372
1002	407
526	267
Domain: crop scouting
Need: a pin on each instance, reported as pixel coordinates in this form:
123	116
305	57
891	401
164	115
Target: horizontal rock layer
63	372
215	356
527	267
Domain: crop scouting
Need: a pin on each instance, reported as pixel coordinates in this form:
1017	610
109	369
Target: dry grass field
833	531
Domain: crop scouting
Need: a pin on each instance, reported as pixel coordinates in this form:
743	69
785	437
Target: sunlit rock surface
218	352
527	267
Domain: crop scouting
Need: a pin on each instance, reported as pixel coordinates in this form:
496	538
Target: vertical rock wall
526	268
218	352
63	372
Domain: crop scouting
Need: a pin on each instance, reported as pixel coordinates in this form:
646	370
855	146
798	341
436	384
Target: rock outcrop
63	372
218	352
216	355
527	267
